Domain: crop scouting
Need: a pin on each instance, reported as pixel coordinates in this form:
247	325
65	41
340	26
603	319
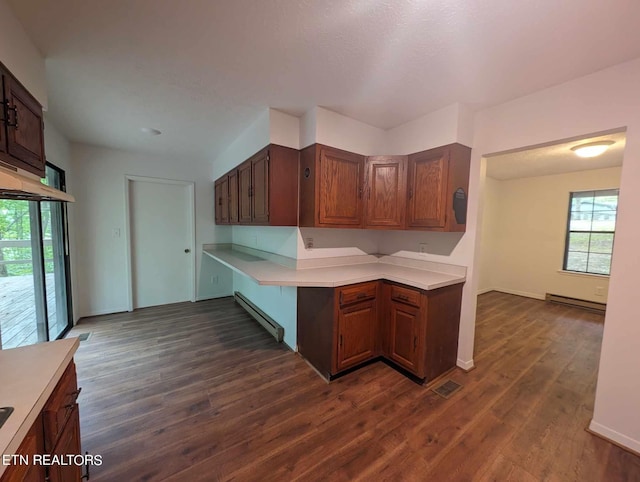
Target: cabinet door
340	193
25	132
3	125
217	188
233	197
427	189
244	193
386	191
260	188
404	337
30	446
224	187
357	326
68	444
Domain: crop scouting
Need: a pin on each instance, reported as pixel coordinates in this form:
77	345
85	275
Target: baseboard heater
260	316
565	300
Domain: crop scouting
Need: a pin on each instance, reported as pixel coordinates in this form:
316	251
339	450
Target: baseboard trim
486	290
526	294
467	366
103	312
616	438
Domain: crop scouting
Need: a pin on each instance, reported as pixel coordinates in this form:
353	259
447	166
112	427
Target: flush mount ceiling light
151	131
592	149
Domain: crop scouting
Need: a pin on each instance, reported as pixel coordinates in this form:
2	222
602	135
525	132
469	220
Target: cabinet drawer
405	295
60	406
355	293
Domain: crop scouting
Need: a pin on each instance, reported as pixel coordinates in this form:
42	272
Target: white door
160	217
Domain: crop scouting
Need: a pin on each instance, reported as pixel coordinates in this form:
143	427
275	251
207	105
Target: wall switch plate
308	243
422	248
116	232
214	280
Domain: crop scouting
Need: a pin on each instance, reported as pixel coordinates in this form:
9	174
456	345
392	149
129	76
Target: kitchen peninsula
354	309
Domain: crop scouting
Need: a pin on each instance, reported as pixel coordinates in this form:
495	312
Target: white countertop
424	275
28	376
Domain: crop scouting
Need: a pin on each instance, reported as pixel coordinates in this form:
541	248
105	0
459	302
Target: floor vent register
447	388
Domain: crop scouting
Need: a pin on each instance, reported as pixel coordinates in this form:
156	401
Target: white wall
58	152
448	125
606	100
99	187
525	239
343	132
21	56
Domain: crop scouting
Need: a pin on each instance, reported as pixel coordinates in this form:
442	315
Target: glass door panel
22	314
35	305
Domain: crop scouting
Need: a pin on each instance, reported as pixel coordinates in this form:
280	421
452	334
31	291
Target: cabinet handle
15	117
341	297
360	193
410	193
86	475
403	297
361	295
415	343
219	201
340	341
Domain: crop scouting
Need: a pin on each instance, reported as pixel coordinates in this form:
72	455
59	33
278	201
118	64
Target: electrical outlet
116	232
308	242
599	291
422	248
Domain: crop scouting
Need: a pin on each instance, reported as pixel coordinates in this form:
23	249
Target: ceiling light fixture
151	131
592	149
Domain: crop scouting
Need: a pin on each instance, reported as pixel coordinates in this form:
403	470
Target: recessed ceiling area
555	159
200	71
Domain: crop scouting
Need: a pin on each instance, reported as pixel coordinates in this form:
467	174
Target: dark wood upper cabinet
263	190
224	208
438	182
331	187
244	193
21	128
232	178
385	197
260	188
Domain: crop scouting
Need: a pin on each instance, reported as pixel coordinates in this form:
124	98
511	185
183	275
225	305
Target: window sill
587	275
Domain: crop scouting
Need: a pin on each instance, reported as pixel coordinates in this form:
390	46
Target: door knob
187	250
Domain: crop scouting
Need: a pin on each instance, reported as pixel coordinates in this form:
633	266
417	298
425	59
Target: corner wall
599	102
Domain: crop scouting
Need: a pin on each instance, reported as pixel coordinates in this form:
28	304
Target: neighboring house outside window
591	228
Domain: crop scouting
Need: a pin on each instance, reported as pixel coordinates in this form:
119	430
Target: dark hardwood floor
200	392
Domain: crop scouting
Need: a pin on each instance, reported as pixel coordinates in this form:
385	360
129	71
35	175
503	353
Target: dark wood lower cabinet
403	331
68	444
356	334
339	328
55	435
30	446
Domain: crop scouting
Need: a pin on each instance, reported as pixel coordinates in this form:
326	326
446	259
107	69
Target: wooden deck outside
18	325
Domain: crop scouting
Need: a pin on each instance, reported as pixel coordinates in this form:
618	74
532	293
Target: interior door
160	216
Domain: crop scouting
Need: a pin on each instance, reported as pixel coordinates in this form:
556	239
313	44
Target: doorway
35	290
161	241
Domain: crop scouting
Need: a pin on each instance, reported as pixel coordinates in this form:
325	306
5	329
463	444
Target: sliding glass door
35	303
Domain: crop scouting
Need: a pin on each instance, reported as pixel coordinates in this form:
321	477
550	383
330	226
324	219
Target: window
590	230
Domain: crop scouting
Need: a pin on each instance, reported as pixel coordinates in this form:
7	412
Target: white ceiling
201	70
555	159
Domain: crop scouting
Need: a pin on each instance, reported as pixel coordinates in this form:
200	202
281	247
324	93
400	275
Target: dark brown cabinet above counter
261	191
21	126
339	189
